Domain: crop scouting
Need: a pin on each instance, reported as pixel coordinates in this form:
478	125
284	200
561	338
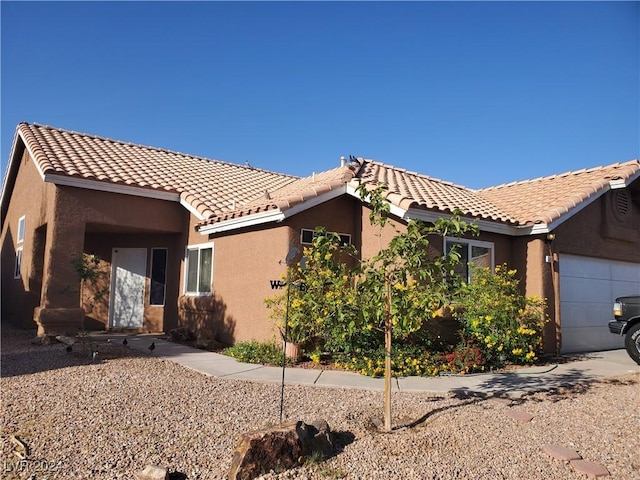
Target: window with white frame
307	236
199	269
471	251
18	266
20	235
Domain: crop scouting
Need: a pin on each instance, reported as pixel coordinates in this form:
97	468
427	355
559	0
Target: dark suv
626	311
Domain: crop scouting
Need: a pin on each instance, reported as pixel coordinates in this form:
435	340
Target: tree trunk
387	361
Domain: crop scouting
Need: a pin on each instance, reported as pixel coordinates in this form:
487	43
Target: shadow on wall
206	318
18	302
95	298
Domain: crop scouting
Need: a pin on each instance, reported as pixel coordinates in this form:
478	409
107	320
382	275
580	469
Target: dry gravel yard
107	420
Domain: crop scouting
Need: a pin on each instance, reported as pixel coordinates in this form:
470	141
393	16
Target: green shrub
256	352
406	360
319	298
504	324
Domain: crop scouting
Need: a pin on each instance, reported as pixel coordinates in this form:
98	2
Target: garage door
588	287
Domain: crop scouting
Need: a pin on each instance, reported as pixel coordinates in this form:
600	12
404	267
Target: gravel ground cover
108	419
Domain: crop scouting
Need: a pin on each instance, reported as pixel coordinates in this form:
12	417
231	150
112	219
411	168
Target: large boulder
279	448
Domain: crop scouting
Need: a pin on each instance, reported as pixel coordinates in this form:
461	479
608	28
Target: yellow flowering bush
319	297
409	360
496	316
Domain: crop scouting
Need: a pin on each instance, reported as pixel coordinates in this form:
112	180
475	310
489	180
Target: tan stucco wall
596	232
244	264
156	318
30	198
593	232
57	219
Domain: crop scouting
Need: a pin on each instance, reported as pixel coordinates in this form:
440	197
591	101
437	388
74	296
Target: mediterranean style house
183	241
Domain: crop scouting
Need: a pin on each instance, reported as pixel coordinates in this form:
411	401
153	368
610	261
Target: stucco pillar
542	278
59	309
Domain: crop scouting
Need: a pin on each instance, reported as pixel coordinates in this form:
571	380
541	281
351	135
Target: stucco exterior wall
61	223
156	318
31	198
80	211
597	232
245	262
374	238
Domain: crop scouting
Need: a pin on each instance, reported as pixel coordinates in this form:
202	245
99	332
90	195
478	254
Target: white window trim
21	229
165	277
17	268
313	232
473	243
200	246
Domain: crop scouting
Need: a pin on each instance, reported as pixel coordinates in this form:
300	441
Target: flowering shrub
506	325
466	358
405	361
319	301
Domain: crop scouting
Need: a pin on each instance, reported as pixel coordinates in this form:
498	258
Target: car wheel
632	342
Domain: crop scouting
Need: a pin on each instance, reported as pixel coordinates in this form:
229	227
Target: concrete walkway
582	368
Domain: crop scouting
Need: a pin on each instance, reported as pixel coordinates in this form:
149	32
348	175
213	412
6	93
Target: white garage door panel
626	273
585	290
620	289
588	287
593	268
582	339
589	314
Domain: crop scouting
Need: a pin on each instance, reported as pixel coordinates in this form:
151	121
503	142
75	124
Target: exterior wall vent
621	204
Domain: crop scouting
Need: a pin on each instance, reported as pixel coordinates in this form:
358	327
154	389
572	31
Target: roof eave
484	225
275	215
615	184
268	216
111	187
191	209
8	180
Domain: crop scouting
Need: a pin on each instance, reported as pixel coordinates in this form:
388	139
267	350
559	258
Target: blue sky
477	93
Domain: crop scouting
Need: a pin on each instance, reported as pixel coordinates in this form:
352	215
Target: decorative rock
152	472
209	344
590	469
315	438
561	453
520	415
66	339
279	448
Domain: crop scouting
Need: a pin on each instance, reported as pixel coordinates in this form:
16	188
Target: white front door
128	275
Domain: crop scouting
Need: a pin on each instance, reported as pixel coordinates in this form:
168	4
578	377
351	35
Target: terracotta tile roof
211	187
290	195
222	191
525	203
545	200
413	190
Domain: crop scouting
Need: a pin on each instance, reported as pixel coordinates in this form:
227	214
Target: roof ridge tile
416	174
562	175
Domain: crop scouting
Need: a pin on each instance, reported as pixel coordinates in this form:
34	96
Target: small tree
407	282
395	292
